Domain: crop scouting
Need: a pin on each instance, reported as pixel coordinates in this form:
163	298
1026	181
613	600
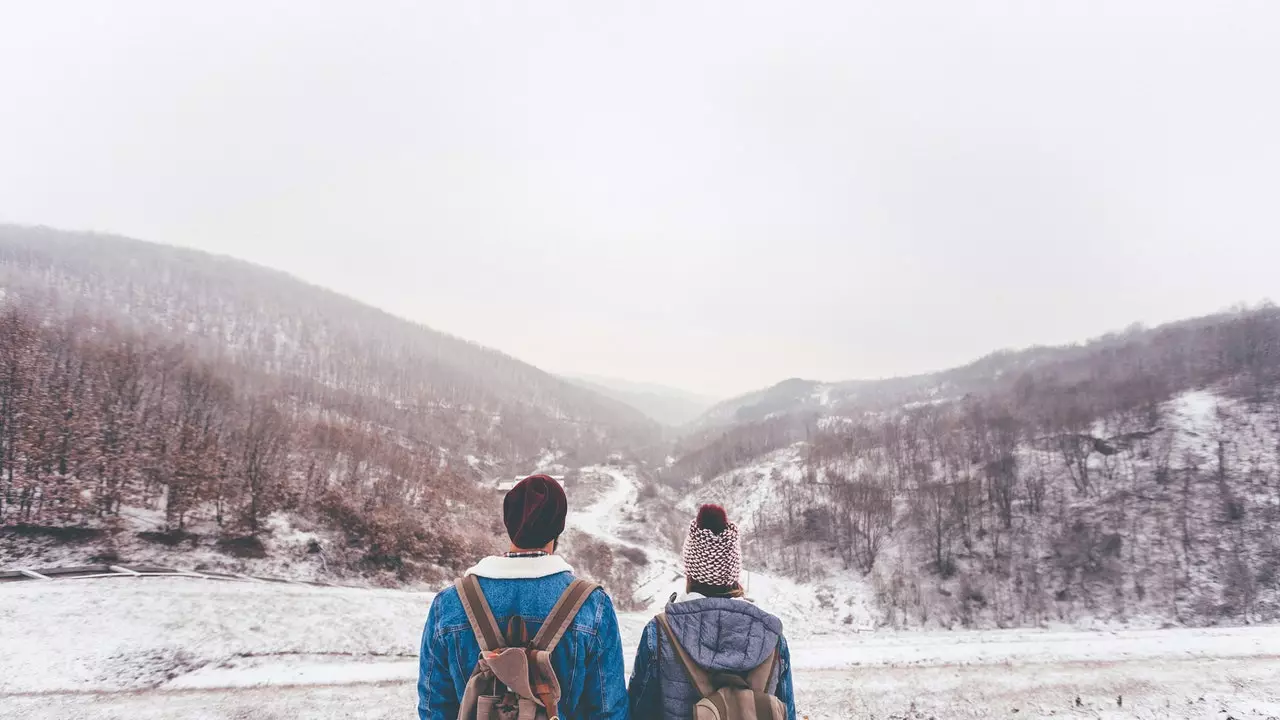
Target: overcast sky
714	196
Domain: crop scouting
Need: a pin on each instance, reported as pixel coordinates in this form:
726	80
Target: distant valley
157	403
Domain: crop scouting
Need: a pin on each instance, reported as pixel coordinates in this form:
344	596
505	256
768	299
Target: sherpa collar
691	596
498	567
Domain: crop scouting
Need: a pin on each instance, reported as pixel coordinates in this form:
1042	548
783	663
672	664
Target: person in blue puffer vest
713	622
526	582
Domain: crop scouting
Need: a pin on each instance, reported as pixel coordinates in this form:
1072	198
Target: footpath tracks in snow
600	518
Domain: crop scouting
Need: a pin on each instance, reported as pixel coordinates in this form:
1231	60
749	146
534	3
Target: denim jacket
588	660
721	635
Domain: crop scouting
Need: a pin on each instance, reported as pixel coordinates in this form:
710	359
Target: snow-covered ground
293	548
116	634
184	647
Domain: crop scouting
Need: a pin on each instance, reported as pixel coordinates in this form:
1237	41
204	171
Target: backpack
514	680
728	696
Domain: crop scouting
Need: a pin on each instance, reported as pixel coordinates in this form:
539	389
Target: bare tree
265	442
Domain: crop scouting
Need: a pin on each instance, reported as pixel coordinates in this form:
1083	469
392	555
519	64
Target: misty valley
165	408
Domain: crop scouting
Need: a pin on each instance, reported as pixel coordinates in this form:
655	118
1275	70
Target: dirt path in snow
601	518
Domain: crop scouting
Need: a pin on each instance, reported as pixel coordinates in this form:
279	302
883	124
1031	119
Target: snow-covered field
184	647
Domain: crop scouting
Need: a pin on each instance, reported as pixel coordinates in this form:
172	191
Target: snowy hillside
288	546
1132	480
268	321
1179	525
205	396
990	374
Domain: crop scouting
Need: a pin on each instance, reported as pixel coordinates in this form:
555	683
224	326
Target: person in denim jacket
713	622
526	582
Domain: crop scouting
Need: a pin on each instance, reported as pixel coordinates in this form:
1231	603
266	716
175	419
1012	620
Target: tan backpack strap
764	707
722	707
700	678
562	615
479	614
759	676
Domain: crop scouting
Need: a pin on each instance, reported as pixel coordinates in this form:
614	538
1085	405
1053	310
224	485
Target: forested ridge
1134	475
214	390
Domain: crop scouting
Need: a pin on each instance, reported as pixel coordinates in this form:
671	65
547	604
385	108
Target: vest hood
722	634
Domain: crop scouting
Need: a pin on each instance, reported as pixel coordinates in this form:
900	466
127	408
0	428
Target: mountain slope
787	396
996	371
270	322
670	406
1131	478
152	396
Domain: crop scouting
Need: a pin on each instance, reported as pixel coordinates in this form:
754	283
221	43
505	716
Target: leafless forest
142	375
1134	476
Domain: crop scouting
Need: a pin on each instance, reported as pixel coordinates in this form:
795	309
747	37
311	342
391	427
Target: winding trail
599	519
663	573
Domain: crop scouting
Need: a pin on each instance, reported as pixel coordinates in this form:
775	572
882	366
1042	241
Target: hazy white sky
715	196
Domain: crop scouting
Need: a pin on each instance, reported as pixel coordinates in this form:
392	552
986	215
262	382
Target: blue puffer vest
721	635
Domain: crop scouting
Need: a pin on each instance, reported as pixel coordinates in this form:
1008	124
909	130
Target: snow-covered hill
1178	523
1131	479
266	321
1000	370
206	394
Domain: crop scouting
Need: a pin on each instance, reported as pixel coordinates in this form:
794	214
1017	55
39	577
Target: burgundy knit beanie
534	512
712	550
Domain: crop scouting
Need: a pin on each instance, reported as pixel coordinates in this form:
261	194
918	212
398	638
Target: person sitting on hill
712	649
469	667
